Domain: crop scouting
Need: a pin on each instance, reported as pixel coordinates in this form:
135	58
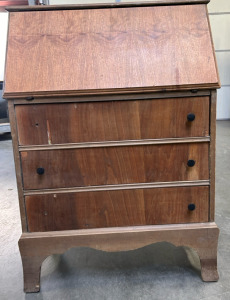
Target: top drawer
40	124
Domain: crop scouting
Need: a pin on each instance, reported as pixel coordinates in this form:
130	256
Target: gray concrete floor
159	271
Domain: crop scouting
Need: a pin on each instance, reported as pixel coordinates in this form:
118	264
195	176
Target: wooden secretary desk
112	109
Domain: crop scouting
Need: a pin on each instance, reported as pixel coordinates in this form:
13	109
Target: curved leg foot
209	269
207	251
31	267
31	271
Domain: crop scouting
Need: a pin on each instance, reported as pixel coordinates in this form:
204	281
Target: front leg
31	263
31	272
209	269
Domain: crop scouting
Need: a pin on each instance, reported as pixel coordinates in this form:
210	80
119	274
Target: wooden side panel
137	48
212	155
18	172
114	165
116	208
112	121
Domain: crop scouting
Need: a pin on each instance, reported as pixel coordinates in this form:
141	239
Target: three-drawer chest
112	110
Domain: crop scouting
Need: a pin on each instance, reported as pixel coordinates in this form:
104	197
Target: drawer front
111	121
114	165
116	208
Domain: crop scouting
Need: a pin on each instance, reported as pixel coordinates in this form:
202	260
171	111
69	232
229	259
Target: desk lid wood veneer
75	50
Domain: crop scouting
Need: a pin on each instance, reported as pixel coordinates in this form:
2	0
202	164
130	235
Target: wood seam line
118	187
118	97
212	155
88	92
14	133
114	144
104	5
119	230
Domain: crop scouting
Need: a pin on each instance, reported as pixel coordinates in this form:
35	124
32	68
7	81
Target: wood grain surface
114	165
127	49
116	208
17	162
112	121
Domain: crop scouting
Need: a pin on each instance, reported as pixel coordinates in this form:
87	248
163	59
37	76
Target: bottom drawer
80	210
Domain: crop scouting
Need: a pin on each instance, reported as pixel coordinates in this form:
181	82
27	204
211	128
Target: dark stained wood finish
114	165
116	208
112	121
109	50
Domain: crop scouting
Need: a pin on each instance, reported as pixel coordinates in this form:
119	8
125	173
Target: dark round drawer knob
40	171
29	98
191	207
191	117
191	163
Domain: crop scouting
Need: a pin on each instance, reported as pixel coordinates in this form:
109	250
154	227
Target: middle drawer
114	165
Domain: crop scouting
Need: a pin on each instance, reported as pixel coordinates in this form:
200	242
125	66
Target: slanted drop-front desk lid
75	50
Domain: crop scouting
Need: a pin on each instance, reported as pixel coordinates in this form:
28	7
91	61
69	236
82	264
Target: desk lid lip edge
25	8
113	91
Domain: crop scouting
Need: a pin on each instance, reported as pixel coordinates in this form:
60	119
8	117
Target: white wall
219	13
3	36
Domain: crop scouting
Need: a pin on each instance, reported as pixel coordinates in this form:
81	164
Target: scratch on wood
48	132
